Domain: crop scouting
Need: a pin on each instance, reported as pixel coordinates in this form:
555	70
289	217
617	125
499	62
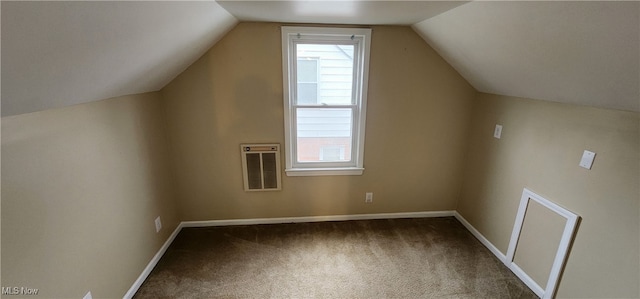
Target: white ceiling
574	52
56	54
338	12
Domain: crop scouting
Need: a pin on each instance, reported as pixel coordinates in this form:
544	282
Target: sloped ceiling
56	54
574	52
338	12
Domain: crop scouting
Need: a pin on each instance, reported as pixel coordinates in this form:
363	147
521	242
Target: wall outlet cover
368	197
587	159
497	133
158	224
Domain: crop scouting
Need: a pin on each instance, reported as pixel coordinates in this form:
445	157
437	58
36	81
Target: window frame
361	39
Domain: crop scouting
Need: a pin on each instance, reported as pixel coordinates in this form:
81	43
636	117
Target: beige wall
541	145
417	119
81	187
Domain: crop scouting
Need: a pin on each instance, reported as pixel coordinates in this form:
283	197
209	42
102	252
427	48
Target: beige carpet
399	258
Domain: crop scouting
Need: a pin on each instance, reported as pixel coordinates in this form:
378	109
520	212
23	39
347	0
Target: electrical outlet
368	197
158	224
87	296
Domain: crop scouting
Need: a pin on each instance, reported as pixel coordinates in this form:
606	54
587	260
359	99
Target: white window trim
291	35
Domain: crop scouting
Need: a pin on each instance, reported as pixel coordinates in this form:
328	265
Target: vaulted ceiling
56	54
574	52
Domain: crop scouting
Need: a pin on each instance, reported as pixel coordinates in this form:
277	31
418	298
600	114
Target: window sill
324	171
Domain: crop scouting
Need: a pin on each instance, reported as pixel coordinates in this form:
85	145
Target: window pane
307	81
331	153
307	93
322	129
333	72
307	70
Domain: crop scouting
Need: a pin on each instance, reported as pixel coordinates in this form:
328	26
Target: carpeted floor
395	258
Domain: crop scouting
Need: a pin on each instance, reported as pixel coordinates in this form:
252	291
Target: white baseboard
501	256
147	270
535	287
152	264
316	219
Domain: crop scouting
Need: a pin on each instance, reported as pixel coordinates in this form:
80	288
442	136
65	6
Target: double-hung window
325	95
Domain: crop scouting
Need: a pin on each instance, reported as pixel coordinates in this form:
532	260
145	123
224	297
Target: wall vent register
261	167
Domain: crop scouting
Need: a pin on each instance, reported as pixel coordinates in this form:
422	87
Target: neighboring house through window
325	83
308	80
